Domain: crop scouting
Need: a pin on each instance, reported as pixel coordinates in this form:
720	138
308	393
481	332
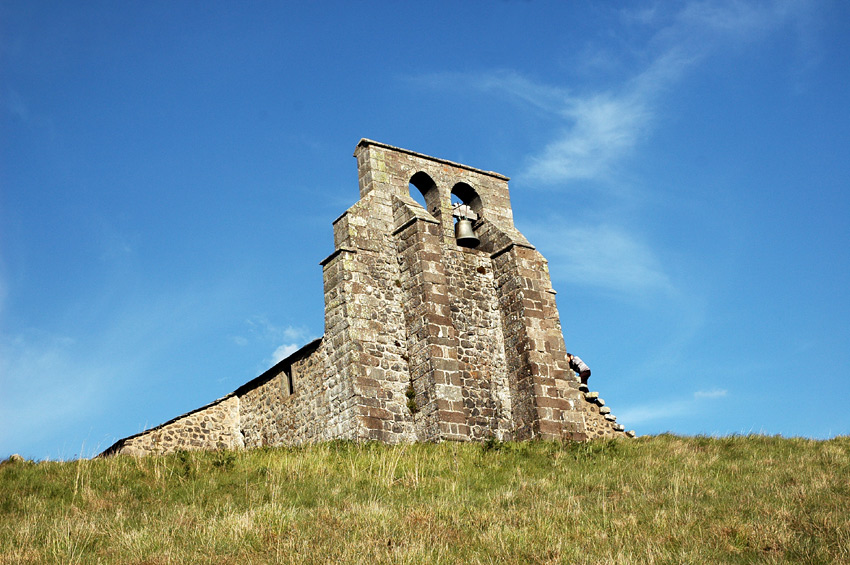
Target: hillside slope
657	499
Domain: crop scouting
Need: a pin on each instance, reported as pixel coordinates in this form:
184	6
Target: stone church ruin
440	324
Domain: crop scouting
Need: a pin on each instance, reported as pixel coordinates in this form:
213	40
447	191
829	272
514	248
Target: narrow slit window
288	381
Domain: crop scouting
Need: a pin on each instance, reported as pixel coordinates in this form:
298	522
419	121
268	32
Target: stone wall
271	415
425	339
482	368
215	426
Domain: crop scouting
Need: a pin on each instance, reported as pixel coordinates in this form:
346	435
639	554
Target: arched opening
462	193
466	210
418	196
423	189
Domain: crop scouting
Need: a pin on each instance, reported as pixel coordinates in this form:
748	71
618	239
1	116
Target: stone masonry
425	339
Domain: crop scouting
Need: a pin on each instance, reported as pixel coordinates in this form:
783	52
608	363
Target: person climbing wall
579	366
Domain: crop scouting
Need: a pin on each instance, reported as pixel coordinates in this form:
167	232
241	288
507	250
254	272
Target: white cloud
672	410
602	128
59	382
599	129
544	97
293	333
283	352
289	339
4	293
16	105
653	412
601	256
701	27
47	383
294	338
595	130
735	19
713	393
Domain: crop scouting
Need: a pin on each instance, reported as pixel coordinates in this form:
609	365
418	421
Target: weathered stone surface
215	426
425	340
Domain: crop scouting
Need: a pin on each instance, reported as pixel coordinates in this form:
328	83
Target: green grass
663	499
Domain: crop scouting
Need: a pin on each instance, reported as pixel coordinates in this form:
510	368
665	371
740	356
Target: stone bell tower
432	331
440	340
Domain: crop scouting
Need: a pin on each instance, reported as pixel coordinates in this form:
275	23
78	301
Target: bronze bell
464	234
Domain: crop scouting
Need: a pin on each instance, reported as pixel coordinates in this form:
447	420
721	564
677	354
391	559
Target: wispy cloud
713	393
602	256
283	352
599	130
733	20
593	131
503	81
294	338
16	106
46	385
672	409
285	340
57	382
4	292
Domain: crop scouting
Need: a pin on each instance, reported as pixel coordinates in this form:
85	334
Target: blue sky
169	172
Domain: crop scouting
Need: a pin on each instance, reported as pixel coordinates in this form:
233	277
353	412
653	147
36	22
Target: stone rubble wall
216	426
262	413
599	421
269	415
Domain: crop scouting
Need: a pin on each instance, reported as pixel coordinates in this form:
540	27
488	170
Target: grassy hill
662	499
